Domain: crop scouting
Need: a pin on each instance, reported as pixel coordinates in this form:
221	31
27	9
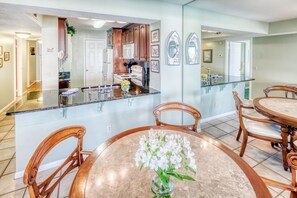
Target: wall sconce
23	35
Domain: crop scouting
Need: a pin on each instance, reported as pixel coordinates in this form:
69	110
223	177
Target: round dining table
283	111
111	170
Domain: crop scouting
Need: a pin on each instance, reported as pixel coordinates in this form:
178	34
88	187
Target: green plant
70	30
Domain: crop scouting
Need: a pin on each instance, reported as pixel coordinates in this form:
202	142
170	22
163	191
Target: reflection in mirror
192	49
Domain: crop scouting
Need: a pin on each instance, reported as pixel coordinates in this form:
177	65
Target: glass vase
125	88
160	190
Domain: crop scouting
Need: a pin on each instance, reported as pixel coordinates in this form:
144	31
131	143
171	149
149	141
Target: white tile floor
265	160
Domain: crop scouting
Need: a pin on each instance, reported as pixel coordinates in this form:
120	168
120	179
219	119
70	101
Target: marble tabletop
283	110
114	173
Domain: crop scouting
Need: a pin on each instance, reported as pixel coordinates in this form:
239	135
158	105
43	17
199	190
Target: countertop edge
79	104
227	83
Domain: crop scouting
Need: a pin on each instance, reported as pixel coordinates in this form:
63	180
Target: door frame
85	59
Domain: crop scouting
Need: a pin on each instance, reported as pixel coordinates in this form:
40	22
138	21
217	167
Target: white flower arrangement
165	154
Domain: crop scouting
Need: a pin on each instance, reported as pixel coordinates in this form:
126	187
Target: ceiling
87	24
14	18
261	10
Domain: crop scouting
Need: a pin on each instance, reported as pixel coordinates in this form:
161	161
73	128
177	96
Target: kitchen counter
224	80
52	99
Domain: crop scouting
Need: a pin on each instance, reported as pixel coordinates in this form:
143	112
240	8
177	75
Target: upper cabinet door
62	36
143	42
136	42
130	36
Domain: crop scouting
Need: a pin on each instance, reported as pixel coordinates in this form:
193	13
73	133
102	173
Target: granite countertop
52	99
224	80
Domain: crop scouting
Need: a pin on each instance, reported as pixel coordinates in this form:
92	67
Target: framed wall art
207	56
6	56
1	50
155	36
155	51
155	67
193	49
173	49
1	62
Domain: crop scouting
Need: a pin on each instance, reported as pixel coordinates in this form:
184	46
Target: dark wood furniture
138	34
281	88
62	38
177	106
46	188
292	161
281	110
111	172
260	128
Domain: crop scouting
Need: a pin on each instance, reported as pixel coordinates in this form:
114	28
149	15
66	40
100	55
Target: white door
235	62
94	62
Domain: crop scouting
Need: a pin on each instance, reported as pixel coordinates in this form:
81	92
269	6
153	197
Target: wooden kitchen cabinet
130	36
62	37
136	39
143	42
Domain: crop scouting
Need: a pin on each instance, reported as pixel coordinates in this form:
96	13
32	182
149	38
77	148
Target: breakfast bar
104	114
217	94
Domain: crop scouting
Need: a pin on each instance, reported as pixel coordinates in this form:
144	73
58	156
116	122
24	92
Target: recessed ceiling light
83	18
109	21
99	24
122	22
23	35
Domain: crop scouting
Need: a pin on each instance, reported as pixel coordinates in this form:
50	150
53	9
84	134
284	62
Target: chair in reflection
292	160
46	188
177	106
284	89
258	128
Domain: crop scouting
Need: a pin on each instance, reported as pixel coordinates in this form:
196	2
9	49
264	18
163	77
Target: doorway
94	61
238	58
239	61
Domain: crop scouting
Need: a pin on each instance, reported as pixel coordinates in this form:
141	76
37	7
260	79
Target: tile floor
265	160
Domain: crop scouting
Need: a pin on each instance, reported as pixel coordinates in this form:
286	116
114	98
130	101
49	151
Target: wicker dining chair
177	106
46	188
285	89
258	128
292	161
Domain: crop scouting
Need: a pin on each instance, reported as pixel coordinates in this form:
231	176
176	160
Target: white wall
50	73
7	75
274	62
77	62
218	56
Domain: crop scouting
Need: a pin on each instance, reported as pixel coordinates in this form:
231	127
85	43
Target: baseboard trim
43	167
6	107
217	116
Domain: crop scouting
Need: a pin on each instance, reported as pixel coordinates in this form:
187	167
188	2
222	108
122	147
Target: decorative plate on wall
173	49
193	49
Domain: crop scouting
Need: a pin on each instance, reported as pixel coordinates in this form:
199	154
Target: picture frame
1	50
155	66
207	56
155	51
1	62
6	56
155	36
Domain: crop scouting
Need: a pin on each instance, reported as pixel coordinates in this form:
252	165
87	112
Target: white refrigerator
108	66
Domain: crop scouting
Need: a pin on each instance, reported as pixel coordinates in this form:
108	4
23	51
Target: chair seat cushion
263	129
254	113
